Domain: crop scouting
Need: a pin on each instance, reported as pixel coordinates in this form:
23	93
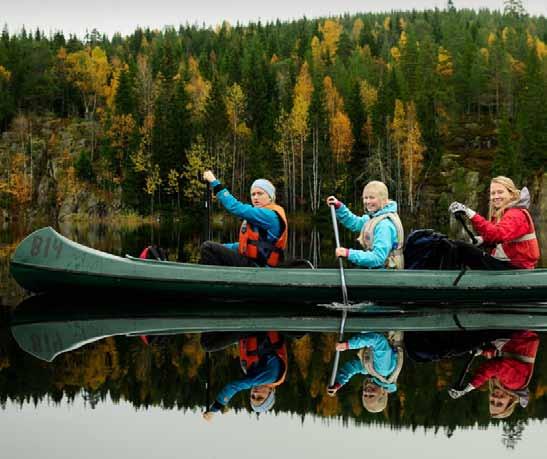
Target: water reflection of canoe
47	261
45	326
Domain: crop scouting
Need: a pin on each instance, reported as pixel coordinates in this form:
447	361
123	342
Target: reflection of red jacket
515	223
512	373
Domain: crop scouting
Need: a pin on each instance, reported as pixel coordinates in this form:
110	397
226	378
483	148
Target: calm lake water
79	381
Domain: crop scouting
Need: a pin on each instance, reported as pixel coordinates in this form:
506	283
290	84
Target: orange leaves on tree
340	130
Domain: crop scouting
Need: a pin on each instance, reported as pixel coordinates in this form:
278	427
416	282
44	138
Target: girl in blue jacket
378	361
381	231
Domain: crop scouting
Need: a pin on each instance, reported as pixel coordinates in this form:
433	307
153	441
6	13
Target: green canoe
46	326
45	261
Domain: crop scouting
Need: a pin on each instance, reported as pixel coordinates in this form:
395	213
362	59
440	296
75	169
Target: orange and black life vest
256	346
254	243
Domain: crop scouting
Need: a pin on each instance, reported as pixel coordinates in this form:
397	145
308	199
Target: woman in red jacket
509	230
508	370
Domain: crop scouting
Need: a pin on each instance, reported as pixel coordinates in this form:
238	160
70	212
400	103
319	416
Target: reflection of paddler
263	359
380	362
508	370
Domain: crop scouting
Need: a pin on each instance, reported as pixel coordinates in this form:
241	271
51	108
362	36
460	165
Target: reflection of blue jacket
266	371
263	218
385	236
385	359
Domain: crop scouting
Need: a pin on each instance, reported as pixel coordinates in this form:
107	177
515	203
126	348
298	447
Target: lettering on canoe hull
44	247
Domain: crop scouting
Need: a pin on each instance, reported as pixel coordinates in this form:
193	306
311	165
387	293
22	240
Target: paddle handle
459	217
344	297
207	235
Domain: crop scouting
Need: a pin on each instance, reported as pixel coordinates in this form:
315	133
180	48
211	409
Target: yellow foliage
444	63
517	66
491	39
89	70
301	102
198	160
357	28
403	40
341	137
5	74
274	59
395	53
316	51
485	54
62	54
173	182
235	106
387	23
541	48
402	24
19	183
398	123
331	31
369	95
153	180
120	132
198	89
302	352
334	100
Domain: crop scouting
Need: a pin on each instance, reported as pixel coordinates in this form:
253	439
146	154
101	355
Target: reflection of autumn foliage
193	351
328	406
170	372
328	343
4	354
90	368
445	374
302	352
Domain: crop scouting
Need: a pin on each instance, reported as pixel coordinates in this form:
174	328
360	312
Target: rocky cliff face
51	147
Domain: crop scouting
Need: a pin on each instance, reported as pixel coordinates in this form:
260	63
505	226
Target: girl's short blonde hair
380	188
513	191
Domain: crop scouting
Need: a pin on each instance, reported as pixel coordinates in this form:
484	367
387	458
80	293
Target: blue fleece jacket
385	236
266	371
385	359
262	218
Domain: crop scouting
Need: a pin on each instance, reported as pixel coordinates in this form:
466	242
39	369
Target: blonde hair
514	399
380	188
513	191
377	403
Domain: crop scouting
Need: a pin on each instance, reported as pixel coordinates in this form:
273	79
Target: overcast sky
124	16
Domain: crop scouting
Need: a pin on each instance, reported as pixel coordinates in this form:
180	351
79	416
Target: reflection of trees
512	433
170	372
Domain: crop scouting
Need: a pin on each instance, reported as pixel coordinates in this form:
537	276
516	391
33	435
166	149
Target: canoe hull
45	261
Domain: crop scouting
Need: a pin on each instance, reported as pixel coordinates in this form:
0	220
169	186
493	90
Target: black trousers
213	253
475	258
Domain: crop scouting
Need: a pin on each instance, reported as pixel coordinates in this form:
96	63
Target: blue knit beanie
266	404
266	185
